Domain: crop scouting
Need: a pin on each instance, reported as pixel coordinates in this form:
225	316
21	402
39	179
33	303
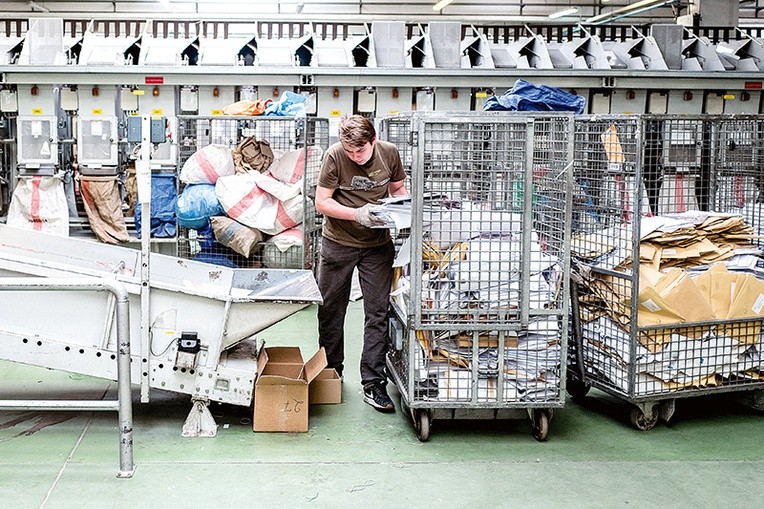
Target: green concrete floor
710	455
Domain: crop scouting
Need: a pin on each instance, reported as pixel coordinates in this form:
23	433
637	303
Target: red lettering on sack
35	205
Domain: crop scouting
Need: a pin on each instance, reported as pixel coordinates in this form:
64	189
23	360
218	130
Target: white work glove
365	217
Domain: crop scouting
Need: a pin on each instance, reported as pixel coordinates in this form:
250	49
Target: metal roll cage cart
478	317
655	186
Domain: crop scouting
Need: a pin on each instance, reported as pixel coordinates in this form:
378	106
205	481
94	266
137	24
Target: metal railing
123	404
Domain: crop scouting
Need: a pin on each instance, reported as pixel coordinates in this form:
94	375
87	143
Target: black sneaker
376	396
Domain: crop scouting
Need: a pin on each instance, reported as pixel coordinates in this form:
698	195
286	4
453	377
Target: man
356	173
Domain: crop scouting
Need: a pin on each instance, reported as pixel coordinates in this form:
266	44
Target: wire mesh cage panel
397	130
481	319
605	164
494	202
266	216
676	162
658	307
738	158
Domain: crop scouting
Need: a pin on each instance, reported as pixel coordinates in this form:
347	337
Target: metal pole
52	405
124	403
143	176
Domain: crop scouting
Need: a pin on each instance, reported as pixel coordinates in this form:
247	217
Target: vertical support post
124	385
528	192
143	175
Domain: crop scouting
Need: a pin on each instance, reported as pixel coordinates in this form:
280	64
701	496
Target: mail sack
241	238
103	205
253	154
289	167
196	204
246	197
38	203
208	164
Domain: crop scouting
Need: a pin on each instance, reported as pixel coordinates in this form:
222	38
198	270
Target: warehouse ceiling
514	11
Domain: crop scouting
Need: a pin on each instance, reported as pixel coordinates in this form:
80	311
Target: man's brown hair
356	131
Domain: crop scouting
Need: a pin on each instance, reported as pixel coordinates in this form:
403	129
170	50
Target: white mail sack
208	164
677	194
276	188
245	201
289	167
39	203
284	251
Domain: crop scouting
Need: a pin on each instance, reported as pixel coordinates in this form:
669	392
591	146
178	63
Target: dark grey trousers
335	272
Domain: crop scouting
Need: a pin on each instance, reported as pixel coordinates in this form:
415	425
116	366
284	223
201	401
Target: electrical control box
157	133
133	129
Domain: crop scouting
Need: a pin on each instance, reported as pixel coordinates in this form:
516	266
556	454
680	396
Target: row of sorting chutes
386	45
746	54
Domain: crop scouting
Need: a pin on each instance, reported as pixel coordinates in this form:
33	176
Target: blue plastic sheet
196	204
163	194
525	96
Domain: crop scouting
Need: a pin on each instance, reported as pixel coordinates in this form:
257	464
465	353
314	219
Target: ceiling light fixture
439	6
629	10
565	12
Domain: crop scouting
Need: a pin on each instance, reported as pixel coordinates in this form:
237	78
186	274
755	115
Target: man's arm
397	188
328	206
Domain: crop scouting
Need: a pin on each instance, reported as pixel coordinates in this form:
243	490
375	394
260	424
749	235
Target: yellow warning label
97	111
336	113
36	111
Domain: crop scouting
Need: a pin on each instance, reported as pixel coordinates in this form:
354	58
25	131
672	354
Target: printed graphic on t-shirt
359	182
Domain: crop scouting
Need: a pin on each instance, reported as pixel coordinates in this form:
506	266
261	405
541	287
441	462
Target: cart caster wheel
640	420
576	388
422	424
540	424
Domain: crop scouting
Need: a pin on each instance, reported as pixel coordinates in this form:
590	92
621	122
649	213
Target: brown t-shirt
354	186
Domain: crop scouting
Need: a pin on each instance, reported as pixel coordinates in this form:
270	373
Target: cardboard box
326	388
281	389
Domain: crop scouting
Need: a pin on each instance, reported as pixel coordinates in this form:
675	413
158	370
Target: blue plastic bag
525	96
196	204
163	193
290	105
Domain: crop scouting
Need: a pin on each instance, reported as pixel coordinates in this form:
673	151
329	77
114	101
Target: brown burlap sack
103	205
252	154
